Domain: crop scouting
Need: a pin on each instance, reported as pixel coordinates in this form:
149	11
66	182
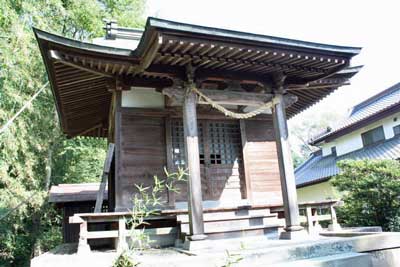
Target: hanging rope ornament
229	113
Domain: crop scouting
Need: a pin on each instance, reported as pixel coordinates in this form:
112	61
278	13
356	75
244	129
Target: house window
333	150
373	136
396	130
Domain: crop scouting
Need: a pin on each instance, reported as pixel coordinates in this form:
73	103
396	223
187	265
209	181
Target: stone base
196	237
193	245
83	248
294	235
334	227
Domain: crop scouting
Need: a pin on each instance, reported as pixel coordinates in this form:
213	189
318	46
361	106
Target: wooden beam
224	97
104	176
238	62
170	163
118	147
246	164
149	55
128	82
111	119
56	56
85	131
195	202
178	72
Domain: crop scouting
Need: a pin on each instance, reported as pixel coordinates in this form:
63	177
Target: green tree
33	151
371	191
305	126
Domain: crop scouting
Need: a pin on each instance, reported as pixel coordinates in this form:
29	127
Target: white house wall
353	141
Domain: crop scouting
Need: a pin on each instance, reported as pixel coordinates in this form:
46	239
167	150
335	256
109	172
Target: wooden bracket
278	79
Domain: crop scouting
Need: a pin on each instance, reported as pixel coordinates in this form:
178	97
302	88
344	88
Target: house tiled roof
385	100
318	168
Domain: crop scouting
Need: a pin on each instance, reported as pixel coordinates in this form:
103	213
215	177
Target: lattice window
178	145
225	142
222	140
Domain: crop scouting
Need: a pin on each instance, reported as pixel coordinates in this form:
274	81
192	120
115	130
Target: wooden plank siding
143	142
142	154
261	162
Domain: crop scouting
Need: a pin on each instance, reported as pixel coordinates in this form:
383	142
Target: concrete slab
338	260
384	249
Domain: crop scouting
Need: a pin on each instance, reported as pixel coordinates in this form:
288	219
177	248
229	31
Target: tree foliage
371	193
306	126
33	151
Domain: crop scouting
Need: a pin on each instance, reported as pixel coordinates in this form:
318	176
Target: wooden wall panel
142	154
261	162
221	181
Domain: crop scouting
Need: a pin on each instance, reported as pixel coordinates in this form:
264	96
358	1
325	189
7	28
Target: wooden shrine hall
212	100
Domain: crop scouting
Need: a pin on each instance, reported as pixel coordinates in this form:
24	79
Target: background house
371	131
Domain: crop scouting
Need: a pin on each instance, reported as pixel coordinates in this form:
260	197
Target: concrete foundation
368	250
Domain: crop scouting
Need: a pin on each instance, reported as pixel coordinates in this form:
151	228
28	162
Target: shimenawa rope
232	114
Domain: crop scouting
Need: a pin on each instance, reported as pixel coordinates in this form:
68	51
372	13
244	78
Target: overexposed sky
371	24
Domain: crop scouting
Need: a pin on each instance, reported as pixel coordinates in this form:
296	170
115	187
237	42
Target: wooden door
220	149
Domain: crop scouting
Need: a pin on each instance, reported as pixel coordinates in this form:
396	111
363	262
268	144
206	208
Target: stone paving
255	251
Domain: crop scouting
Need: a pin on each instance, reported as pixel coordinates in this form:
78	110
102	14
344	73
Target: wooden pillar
170	163
310	221
249	190
334	225
118	144
83	246
122	243
286	170
195	202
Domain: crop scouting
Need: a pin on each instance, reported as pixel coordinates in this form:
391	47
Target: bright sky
373	25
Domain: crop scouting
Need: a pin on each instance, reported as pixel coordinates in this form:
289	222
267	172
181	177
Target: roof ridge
375	97
320	169
352	119
312	156
183	26
370	146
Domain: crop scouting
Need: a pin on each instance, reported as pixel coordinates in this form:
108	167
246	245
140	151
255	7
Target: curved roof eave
71	43
224	33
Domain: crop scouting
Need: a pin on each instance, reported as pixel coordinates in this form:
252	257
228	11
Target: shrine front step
237	223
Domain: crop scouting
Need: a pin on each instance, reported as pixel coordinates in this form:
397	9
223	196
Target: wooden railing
313	213
119	230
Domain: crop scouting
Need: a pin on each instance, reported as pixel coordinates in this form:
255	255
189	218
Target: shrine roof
82	74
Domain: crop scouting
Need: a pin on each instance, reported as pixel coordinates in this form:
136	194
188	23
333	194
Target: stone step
289	251
221	225
339	260
211	219
259	251
215	215
269	231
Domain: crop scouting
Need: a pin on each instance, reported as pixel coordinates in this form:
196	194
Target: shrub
371	193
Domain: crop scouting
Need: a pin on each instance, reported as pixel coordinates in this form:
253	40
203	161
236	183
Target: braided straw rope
232	114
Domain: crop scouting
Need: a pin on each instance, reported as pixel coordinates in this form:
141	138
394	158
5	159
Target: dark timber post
286	170
195	201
